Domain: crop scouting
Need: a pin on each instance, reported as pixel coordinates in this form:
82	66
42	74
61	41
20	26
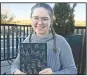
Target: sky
21	11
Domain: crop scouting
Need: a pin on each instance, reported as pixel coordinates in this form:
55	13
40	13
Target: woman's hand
46	71
19	72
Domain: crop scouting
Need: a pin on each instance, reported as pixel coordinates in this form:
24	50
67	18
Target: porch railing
79	29
12	35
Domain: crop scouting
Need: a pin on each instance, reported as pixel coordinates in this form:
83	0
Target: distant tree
6	18
64	18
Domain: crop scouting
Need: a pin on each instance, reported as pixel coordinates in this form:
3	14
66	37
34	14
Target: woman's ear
51	22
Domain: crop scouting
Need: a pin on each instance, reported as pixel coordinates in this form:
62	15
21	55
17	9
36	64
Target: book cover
33	57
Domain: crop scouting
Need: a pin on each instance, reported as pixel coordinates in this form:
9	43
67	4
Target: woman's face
41	21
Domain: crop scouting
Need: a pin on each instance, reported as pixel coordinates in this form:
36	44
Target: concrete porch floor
5	67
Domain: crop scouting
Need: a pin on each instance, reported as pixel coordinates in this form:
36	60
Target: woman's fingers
46	71
19	72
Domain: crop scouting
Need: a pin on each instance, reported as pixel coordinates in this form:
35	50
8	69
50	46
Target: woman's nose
40	21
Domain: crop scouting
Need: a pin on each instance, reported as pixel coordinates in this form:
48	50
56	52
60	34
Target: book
33	57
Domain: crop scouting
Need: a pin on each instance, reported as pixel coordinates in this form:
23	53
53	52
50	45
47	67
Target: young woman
59	55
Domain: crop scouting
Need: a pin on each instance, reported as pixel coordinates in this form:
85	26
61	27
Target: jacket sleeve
16	64
66	59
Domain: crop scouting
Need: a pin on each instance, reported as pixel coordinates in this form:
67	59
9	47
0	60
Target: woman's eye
36	18
45	19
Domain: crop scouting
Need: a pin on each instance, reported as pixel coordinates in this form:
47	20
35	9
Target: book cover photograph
33	57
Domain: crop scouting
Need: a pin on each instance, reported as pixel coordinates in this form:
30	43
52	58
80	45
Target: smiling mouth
40	26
